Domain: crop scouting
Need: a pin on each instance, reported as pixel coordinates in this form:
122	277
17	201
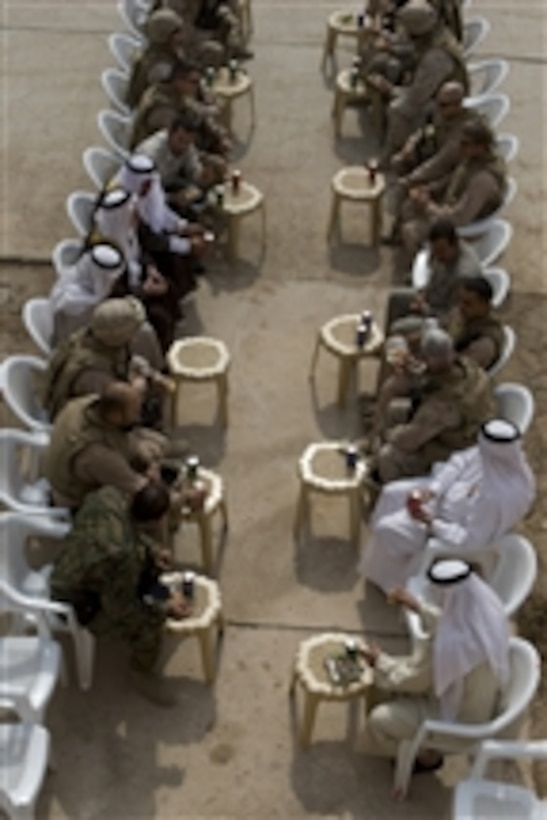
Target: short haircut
184	122
437	344
113	398
478	285
150	503
479	133
443	229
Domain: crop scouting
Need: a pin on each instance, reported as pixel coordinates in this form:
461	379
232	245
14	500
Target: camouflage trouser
142	632
394	463
231	33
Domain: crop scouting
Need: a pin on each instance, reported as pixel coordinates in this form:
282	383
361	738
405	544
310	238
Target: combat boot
153	687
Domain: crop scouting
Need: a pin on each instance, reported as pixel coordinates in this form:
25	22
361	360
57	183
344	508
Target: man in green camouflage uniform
108	570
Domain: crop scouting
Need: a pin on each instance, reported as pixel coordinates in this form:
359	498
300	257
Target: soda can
352	457
366	319
360	20
372	171
362	335
192	467
351	649
414	502
188	585
236	182
232	69
209	76
354	77
220	195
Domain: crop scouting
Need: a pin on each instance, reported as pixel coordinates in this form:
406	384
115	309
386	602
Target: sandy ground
229	751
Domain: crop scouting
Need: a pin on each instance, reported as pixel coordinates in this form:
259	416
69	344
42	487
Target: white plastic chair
493	107
18	377
30	666
475	31
515	403
486	76
115	84
24	758
80	206
116	130
500	282
481	225
508	146
38	320
124	48
445	736
479	799
28	590
134	17
492	244
509	344
65	254
101	165
512	575
21	490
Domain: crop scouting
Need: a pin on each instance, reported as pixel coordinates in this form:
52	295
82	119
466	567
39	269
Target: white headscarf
88	282
473	629
506	474
115	219
151	205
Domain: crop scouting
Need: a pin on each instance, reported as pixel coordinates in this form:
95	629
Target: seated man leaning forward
109	571
478	495
450	398
449	260
95	441
457	675
473	190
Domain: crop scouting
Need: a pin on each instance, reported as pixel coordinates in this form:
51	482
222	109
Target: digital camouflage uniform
104	569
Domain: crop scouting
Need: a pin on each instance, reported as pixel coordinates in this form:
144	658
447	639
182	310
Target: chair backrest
524	677
507	145
124	49
493	107
18	376
475	31
492	244
116	130
500	283
15	530
481	226
101	165
134	17
487	75
38	320
509	343
14	444
515	571
65	254
515	403
79	207
115	84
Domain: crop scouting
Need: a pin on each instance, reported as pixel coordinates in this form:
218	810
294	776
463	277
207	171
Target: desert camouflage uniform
104	569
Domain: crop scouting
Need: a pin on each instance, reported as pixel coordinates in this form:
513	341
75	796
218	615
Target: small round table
322	469
215	501
235	206
339	337
344	94
353	184
230	89
200	359
343	24
206	615
309	671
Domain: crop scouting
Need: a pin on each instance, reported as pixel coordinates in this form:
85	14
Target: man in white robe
457	675
475	497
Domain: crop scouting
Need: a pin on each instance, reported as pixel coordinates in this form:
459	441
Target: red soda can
236	181
414	502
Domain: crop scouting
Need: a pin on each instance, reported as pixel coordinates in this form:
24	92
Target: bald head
120	405
437	350
451	93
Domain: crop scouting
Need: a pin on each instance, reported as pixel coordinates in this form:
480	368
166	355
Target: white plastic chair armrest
49	527
510	749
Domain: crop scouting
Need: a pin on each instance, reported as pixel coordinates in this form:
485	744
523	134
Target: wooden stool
344	94
214	502
353	185
206	616
200	359
309	671
229	90
344	24
322	469
339	337
236	206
